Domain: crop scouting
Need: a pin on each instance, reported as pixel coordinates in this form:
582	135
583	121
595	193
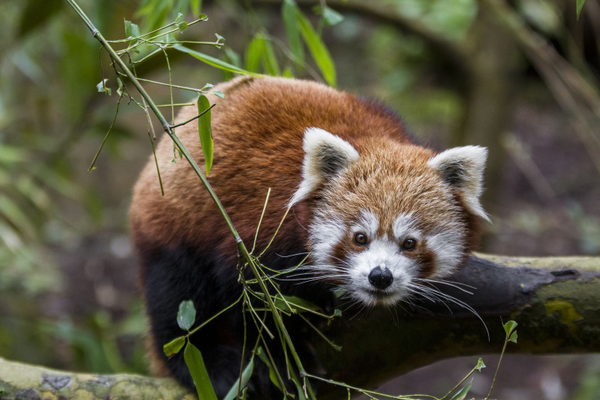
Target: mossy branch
555	300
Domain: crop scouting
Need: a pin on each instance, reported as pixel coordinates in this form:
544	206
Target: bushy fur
343	164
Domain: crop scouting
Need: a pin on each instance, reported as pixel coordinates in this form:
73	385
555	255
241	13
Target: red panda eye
409	244
360	239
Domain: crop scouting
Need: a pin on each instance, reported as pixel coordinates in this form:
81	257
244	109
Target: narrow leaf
270	60
254	54
272	375
195	6
195	363
318	50
462	393
205	131
215	62
186	316
580	4
246	374
297	304
289	12
174	346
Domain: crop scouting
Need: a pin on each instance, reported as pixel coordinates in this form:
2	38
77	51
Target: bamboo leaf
214	62
195	363
186	316
462	393
289	11
317	49
270	60
173	347
195	6
297	304
580	4
246	374
254	54
205	131
272	375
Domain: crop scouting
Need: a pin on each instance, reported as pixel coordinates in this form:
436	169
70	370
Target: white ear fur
462	168
325	155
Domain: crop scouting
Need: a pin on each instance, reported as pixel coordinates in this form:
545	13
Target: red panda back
257	130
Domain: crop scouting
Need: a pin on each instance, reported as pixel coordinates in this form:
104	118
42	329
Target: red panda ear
325	156
462	168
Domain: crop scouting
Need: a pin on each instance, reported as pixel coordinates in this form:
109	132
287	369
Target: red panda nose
381	279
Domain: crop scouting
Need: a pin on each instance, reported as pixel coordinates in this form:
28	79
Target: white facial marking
462	168
448	247
368	223
325	156
405	226
325	233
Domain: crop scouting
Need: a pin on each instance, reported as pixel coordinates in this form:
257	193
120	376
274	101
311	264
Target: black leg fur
173	275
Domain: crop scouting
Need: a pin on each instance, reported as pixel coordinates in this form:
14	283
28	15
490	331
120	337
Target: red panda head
387	214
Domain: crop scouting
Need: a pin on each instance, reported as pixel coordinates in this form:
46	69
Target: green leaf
318	50
260	51
298	305
254	54
509	327
270	60
290	11
331	17
195	363
195	6
174	346
214	61
246	374
186	316
218	93
580	4
131	29
272	375
462	393
513	337
205	131
480	365
102	87
182	26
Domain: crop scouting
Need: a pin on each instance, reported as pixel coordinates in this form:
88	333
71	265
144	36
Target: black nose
381	278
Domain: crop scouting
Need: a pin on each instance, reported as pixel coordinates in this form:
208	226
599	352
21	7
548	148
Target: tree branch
555	300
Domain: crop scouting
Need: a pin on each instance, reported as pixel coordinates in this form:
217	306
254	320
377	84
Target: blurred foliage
52	120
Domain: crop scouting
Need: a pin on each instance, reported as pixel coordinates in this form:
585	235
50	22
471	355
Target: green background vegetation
454	69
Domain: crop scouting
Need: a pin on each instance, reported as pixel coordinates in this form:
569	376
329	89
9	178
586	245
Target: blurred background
520	77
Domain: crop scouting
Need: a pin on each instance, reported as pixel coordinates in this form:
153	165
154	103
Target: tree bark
555	300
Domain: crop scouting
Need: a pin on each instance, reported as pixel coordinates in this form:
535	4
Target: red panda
374	212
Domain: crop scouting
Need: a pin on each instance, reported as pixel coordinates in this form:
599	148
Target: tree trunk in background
495	65
556	302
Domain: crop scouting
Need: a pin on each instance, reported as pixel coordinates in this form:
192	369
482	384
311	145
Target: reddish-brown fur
258	130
